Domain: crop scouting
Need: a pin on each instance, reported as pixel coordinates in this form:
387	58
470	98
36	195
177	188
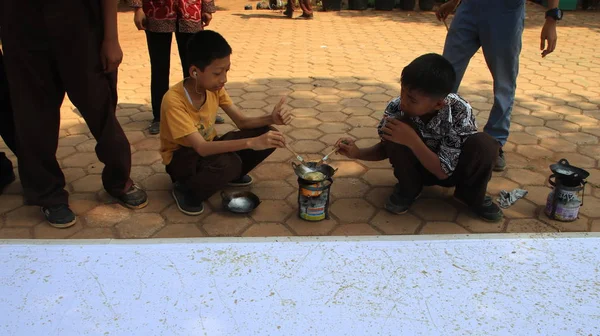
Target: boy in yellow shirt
199	162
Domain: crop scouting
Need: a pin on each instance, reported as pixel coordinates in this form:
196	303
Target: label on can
313	208
567	206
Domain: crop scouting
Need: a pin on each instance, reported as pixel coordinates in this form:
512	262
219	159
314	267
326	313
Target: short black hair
431	74
206	46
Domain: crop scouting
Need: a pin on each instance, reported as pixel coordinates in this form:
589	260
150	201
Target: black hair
431	74
206	46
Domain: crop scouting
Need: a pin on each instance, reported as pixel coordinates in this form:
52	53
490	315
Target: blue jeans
497	27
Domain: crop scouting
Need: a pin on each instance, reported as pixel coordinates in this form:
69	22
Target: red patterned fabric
167	16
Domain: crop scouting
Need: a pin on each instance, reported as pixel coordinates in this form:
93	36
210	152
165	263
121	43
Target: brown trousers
201	177
53	49
470	177
7	125
304	5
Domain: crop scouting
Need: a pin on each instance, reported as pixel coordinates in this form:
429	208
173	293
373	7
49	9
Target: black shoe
488	210
242	181
135	198
154	128
306	16
288	13
59	216
184	205
500	162
6	180
397	204
219	120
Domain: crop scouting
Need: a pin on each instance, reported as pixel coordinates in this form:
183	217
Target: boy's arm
245	122
271	139
111	53
348	148
430	160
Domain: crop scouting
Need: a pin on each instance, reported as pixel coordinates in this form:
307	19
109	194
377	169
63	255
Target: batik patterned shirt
445	133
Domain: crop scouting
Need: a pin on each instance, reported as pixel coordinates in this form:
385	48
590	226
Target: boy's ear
440	103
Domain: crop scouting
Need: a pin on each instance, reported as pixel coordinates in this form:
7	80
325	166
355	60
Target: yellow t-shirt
179	118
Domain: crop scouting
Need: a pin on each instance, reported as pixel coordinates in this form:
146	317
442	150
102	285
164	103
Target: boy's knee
484	145
397	153
225	167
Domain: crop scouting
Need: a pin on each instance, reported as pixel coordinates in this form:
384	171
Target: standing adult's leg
7	123
159	49
462	40
306	8
36	93
501	35
182	41
94	93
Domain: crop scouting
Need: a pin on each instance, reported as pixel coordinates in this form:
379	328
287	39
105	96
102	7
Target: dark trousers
470	177
54	49
201	177
7	125
159	49
304	5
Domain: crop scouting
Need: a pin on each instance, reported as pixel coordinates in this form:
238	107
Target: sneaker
306	16
219	120
6	180
184	205
154	128
242	181
288	13
59	216
135	198
488	210
399	205
500	162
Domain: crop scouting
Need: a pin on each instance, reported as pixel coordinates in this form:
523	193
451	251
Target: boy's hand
281	116
445	10
399	132
111	55
347	148
271	139
206	18
139	18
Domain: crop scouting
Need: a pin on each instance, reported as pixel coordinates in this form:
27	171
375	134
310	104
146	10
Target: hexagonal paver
580	138
266	230
354	230
542	132
305	134
347	169
475	224
179	231
225	224
106	215
363	121
528	225
89	183
353	102
357	111
80	160
158	181
526	177
534	151
332	116
580	225
145	157
349	188
498	184
521	209
443	228
305	123
390	223
45	231
591	207
380	177
26	216
142	225
562	126
352	210
303	103
595	227
577	159
521	138
308	146
334	127
558	145
175	216
273	171
271	211
527	120
434	210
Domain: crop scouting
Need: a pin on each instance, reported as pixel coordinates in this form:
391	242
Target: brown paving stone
591	207
82	203
357	111
434	210
563	126
347	169
225	224
521	209
528	225
45	231
267	230
106	215
272	211
580	225
534	151
354	230
538	195
305	134
308	146
334	127
89	183
498	184
526	177
25	216
580	138
157	201
443	228
558	145
521	138
542	132
475	224
349	188
352	210
145	157
80	160
15	233
577	159
93	233
158	181
394	224
179	231
332	116
307	228
380	177
273	171
140	225
595	227
173	215
10	202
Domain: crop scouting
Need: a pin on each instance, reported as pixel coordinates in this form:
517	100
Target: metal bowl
327	170
240	201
